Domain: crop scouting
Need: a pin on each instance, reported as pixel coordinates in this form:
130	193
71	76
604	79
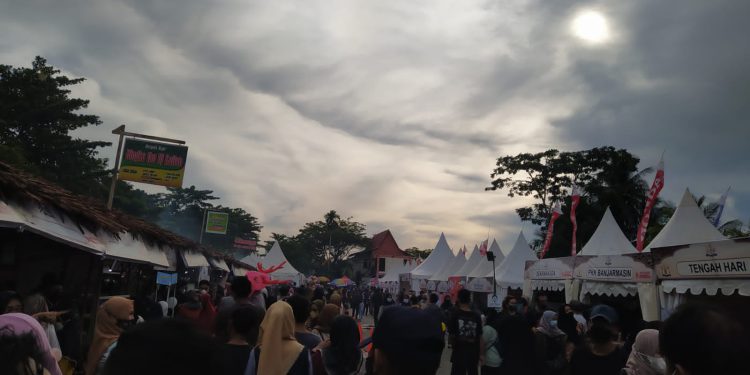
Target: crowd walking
312	331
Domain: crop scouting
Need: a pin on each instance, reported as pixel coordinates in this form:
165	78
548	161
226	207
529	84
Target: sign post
148	162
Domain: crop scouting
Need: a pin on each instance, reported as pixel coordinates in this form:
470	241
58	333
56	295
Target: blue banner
163	278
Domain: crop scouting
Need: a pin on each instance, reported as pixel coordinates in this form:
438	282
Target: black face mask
126	324
601	333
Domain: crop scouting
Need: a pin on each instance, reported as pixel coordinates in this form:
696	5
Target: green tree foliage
418	253
36	116
731	229
608	177
330	241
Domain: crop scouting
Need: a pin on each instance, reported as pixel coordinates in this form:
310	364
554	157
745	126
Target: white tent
470	264
688	225
251	259
438	258
450	268
485	266
276	257
509	274
608	239
393	275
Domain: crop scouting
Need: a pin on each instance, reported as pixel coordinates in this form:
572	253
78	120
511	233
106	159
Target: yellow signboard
153	163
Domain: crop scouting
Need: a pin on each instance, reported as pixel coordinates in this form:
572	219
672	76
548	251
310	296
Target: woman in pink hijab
645	358
18	325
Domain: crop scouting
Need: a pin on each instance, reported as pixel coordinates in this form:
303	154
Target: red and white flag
556	212
575	199
653	193
483	248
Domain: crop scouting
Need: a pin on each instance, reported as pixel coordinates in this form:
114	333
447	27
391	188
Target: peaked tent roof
485	266
688	225
438	258
451	267
470	264
384	246
608	239
251	259
275	257
510	272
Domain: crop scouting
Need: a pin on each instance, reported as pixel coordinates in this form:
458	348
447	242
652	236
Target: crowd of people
313	330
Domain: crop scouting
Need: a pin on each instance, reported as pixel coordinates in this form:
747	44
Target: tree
418	253
731	228
607	176
36	116
331	240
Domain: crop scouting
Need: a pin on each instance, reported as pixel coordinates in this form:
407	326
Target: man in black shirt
465	329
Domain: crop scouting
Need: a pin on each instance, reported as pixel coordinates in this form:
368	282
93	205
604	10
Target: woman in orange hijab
112	318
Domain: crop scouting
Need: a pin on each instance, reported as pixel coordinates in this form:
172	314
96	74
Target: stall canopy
485	266
129	248
276	257
438	258
608	239
470	264
251	260
450	268
509	274
194	259
393	275
687	225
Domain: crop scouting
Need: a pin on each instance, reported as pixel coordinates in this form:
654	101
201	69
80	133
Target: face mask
553	323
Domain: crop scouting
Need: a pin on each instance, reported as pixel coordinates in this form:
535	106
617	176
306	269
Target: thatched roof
26	189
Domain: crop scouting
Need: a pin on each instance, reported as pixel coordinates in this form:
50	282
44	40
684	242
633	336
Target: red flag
483	248
556	212
652	194
575	199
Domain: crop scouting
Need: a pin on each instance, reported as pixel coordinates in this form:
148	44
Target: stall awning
194	259
131	249
711	287
219	263
239	271
548	285
60	227
600	288
9	217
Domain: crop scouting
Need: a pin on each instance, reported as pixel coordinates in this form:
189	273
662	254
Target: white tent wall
687	225
438	258
510	273
474	259
450	268
485	266
276	257
608	239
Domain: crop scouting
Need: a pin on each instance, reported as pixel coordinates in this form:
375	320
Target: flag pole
203	226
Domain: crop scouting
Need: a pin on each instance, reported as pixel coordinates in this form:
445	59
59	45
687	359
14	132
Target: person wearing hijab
112	318
34	305
645	358
207	314
278	352
325	320
343	356
315	309
32	353
549	345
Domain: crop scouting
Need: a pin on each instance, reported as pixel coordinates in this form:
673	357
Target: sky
394	112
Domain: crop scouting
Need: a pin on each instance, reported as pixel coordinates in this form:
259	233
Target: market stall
441	278
438	258
477	280
275	258
509	275
611	271
553	276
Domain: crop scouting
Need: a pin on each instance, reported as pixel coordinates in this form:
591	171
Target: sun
591	26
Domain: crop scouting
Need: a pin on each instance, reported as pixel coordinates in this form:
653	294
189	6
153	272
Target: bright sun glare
591	26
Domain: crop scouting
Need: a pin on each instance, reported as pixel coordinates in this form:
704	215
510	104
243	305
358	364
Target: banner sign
632	268
718	259
480	284
163	278
494	301
217	222
153	163
550	268
241	243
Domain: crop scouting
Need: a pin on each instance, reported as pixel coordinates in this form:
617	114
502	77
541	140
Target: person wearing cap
407	341
602	353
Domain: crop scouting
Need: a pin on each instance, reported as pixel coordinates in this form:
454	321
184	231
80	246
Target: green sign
217	222
153	163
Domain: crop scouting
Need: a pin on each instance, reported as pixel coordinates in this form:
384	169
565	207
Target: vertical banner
650	202
556	212
575	199
217	222
720	208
